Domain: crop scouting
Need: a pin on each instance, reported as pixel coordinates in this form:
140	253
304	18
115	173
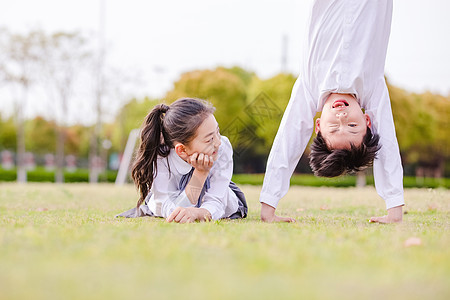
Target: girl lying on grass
183	166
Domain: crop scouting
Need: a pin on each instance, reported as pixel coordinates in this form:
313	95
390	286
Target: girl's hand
201	162
188	215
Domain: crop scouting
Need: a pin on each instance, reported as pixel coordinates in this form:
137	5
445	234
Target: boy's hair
326	162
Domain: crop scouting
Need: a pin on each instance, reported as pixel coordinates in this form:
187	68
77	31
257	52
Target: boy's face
342	122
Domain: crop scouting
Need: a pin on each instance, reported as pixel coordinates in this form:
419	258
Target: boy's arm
387	168
290	142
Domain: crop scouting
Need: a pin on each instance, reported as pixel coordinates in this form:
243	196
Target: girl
183	166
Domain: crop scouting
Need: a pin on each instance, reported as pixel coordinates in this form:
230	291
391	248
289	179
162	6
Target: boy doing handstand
342	73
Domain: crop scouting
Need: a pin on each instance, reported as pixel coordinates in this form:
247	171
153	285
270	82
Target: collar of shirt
181	166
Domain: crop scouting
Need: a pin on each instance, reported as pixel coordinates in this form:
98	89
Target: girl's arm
166	194
215	199
202	164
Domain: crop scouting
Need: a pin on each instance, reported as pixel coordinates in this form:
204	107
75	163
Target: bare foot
395	215
384	220
268	215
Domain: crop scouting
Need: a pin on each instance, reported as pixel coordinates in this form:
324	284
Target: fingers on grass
173	214
186	219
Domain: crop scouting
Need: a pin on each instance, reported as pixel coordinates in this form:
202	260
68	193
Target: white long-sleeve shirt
345	52
219	200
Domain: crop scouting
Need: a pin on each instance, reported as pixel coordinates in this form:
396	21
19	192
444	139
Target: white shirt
219	200
345	53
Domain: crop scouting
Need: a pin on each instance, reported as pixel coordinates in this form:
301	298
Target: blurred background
76	77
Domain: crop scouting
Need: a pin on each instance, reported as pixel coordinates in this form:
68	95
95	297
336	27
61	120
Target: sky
156	41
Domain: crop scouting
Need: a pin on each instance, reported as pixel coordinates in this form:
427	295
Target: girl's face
206	140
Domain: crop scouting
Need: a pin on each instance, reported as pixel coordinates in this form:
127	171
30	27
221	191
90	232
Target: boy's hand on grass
268	215
188	215
395	215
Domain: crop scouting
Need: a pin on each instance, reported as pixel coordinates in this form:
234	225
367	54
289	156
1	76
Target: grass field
63	242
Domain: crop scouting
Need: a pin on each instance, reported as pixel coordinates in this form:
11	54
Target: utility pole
284	47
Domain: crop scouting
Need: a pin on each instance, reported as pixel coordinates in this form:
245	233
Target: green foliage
276	92
223	88
130	117
249	111
244	75
78	140
40	136
63	242
422	126
8	136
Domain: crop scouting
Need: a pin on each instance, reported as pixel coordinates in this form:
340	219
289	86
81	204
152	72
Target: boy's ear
368	121
180	149
317	127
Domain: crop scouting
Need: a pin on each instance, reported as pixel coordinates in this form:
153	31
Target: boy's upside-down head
344	142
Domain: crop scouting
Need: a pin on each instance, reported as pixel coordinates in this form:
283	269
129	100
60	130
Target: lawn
63	242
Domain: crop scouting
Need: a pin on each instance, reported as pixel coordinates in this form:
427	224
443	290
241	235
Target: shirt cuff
183	201
394	202
269	199
216	213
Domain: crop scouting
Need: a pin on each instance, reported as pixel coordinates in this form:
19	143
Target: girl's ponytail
152	144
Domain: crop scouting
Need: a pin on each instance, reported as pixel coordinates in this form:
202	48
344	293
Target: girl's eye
352	125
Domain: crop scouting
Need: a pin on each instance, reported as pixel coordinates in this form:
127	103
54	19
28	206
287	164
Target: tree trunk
21	170
361	179
59	173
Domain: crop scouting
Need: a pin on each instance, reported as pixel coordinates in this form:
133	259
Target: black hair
326	162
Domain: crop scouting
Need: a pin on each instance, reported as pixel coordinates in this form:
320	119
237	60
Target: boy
342	72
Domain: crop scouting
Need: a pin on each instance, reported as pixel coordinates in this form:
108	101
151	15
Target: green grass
63	242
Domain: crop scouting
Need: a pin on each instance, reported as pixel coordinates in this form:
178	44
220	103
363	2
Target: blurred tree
40	135
8	134
224	89
422	127
78	140
244	75
64	57
18	66
130	117
275	92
